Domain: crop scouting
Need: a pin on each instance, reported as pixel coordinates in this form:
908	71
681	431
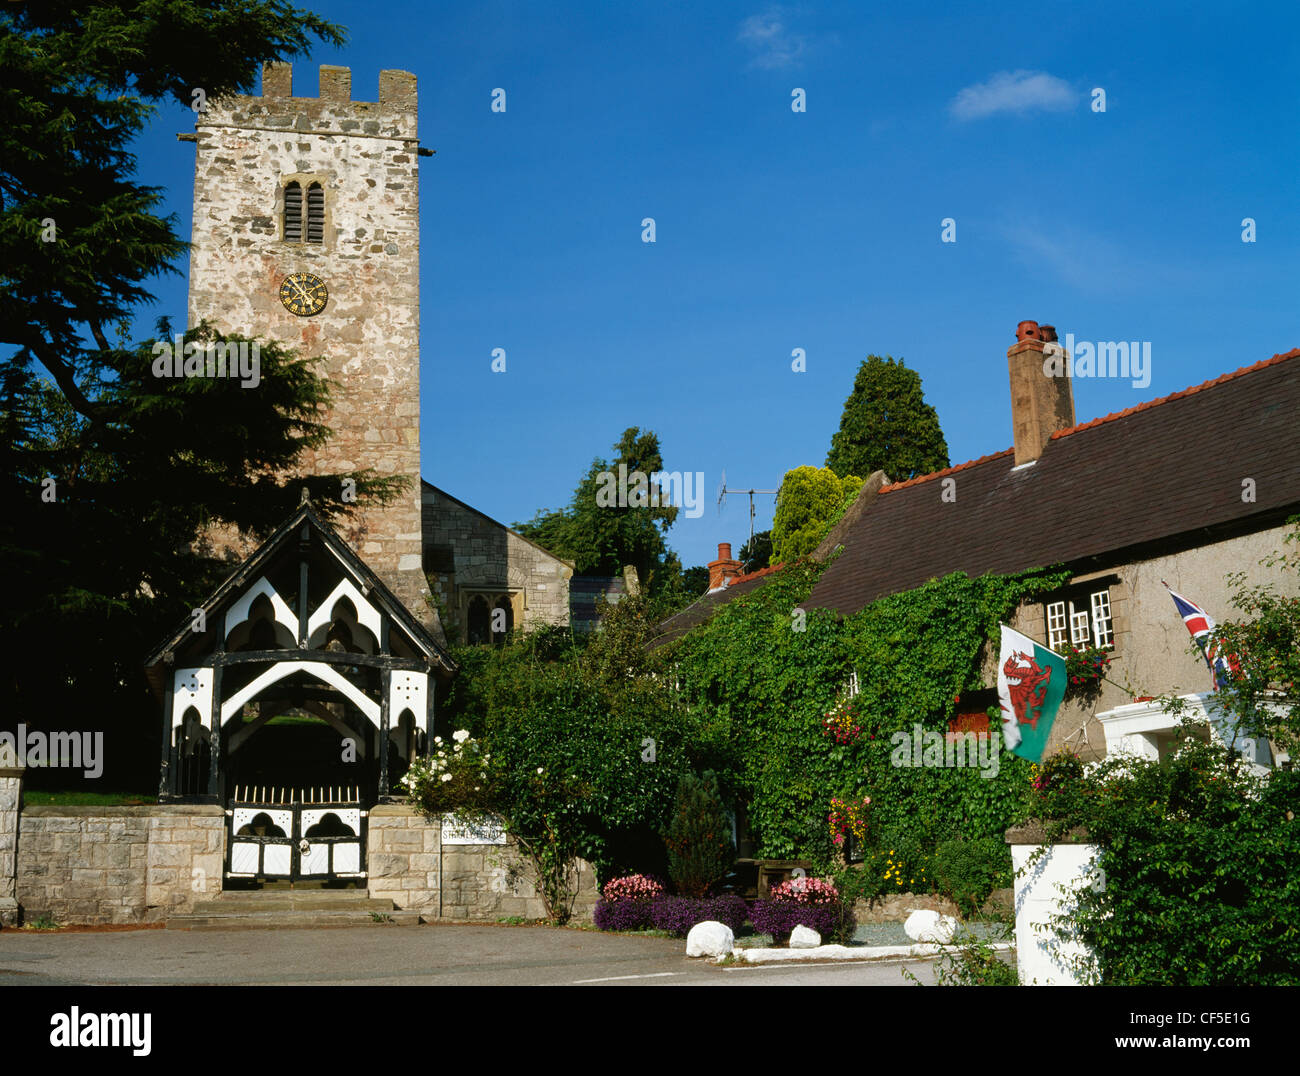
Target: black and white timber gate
301	627
311	833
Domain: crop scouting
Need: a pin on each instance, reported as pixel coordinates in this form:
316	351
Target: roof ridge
755	574
939	474
1221	379
1281	357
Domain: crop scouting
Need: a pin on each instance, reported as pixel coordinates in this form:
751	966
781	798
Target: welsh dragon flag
1031	684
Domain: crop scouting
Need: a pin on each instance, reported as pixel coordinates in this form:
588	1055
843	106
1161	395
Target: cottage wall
1151	642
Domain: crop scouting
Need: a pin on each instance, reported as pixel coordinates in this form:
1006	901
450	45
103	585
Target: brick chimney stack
1042	401
724	569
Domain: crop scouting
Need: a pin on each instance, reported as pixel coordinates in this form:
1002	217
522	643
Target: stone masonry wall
409	865
364	155
10	791
118	864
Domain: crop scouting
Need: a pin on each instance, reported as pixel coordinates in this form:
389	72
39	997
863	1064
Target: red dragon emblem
1027	686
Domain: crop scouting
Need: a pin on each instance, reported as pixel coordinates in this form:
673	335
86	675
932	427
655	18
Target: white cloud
771	41
1013	91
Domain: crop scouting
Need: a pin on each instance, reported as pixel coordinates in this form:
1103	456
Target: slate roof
1098	494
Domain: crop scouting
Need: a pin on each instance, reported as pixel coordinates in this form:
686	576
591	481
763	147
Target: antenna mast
722	496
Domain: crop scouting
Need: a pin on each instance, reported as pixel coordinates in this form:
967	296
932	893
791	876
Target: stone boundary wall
92	865
10	790
409	865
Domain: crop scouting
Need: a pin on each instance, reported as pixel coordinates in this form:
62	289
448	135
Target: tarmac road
392	955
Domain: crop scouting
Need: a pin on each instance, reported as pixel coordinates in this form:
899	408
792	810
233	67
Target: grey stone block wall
91	865
409	865
10	792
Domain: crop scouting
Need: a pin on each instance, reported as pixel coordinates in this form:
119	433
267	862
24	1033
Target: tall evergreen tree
109	474
887	425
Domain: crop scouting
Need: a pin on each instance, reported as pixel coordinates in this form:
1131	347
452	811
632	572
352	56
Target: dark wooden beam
328	657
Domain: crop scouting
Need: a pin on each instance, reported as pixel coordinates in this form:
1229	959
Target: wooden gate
296	833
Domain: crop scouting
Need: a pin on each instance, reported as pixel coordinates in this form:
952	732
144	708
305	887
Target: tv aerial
722	496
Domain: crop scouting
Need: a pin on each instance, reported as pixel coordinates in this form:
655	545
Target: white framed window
1080	635
1081	618
853	687
1055	625
1103	633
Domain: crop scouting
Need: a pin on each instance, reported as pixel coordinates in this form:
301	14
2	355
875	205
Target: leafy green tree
602	536
700	850
109	474
887	425
695	581
811	499
757	552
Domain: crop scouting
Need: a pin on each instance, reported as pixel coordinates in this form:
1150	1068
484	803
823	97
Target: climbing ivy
766	672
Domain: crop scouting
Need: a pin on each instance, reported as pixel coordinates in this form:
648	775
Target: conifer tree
700	850
887	425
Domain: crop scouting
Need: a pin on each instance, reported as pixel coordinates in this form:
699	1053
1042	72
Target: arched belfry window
293	213
315	213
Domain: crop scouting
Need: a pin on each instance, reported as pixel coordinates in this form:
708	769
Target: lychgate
296	696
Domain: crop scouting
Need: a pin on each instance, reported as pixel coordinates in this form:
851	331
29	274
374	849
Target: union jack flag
1201	626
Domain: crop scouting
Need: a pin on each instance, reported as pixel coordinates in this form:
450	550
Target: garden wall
117	864
409	865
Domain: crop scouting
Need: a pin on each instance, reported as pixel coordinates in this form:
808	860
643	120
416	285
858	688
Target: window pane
1101	622
1056	625
1079	633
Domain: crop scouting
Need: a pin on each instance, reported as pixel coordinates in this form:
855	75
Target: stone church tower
306	230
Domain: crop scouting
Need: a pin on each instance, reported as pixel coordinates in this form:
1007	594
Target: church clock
303	294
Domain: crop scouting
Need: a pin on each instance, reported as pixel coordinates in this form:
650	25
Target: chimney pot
1027	330
724	569
1047	333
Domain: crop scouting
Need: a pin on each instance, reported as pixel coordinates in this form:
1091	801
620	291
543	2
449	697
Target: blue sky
819	230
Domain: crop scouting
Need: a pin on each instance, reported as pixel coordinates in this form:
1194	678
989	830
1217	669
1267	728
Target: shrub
637	887
860	883
834	922
806	891
1200	865
623	914
700	851
967	872
679	914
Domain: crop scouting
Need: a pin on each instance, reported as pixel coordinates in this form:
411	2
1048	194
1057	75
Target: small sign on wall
457	830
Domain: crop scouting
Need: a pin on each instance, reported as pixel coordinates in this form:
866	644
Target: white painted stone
927	926
710	939
803	937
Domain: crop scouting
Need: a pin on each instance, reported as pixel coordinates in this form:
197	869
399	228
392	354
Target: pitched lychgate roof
1193	466
303	532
